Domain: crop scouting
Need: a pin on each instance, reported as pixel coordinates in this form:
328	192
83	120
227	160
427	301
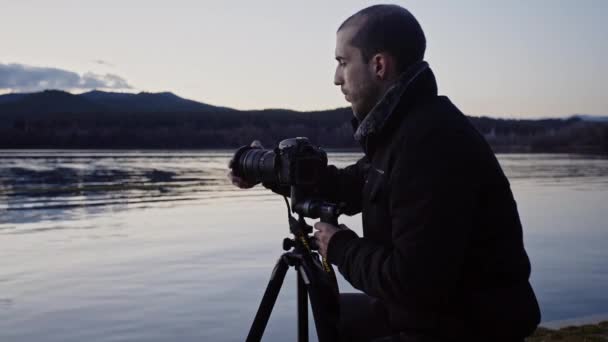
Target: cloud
24	78
102	62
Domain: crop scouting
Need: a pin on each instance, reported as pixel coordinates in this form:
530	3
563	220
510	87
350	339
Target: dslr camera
294	167
294	162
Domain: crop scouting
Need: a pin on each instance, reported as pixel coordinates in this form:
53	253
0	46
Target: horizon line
492	116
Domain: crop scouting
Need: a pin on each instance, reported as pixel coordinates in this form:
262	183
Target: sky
510	59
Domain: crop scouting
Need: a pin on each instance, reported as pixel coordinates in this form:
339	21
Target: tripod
316	279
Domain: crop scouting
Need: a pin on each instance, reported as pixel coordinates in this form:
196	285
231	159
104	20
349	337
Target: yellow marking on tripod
326	265
323	260
304	242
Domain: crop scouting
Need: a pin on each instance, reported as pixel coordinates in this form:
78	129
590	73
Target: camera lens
257	165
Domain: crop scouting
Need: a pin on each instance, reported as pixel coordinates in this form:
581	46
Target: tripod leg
302	306
324	301
270	297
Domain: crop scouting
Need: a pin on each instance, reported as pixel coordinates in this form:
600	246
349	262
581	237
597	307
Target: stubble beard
368	99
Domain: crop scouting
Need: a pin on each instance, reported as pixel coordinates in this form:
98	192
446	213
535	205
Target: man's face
355	76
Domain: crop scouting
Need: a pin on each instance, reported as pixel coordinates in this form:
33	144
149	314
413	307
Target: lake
158	246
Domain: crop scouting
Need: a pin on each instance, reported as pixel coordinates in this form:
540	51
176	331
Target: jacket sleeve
345	185
431	203
338	185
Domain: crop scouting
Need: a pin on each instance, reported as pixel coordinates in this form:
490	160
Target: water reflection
555	167
63	185
157	246
51	185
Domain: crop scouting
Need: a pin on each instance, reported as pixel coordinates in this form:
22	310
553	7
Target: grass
584	333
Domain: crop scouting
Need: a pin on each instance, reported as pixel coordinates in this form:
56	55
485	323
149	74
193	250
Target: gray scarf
379	114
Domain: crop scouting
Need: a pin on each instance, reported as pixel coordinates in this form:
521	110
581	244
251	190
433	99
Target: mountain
7	98
592	118
56	101
48	101
96	119
147	102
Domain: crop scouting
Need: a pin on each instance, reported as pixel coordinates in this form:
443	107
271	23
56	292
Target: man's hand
323	234
238	181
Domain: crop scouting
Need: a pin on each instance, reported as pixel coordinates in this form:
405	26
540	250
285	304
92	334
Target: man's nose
338	80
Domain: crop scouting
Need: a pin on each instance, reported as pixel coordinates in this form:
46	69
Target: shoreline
592	332
577	321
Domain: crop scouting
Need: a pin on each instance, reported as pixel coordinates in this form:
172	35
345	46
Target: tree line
232	128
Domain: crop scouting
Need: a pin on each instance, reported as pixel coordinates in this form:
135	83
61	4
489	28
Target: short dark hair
388	28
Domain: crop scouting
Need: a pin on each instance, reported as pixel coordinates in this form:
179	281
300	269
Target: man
442	256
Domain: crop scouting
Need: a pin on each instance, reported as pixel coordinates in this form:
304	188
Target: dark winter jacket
442	246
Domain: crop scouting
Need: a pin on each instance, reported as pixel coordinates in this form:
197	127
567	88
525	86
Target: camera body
294	162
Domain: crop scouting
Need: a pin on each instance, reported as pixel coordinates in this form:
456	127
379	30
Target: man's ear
379	65
382	65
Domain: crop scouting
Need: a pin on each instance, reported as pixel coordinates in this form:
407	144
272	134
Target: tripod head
311	208
308	206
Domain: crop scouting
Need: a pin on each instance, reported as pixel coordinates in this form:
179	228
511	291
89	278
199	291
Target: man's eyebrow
340	58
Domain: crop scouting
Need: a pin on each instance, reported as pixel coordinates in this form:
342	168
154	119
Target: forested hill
57	119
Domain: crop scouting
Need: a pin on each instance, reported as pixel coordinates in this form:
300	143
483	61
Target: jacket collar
417	81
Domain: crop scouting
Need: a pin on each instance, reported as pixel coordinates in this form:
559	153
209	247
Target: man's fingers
238	181
231	177
243	184
323	226
256	144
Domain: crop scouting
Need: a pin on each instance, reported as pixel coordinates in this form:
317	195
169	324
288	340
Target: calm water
157	246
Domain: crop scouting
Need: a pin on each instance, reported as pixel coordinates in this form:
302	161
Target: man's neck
383	89
393	93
